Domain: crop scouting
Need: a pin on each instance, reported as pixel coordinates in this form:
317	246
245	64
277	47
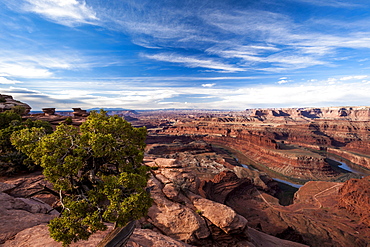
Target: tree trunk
119	236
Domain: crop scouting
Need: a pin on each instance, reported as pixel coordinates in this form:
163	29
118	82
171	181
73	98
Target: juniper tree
97	171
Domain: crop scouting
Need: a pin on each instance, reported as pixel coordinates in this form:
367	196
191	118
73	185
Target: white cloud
317	93
23	70
65	12
194	62
208	85
4	80
283	81
356	77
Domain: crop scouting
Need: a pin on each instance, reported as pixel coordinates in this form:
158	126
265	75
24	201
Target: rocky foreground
201	199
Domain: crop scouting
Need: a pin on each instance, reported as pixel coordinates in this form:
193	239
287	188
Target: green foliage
74	224
7	117
18	109
198	211
11	160
147	226
68	120
98	169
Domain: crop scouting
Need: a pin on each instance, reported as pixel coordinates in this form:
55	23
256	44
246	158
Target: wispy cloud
252	36
331	3
194	62
65	12
41	64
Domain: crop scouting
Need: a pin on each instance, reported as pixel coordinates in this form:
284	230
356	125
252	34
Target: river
278	180
344	166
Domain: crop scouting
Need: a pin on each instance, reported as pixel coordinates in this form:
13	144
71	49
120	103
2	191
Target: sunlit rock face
360	113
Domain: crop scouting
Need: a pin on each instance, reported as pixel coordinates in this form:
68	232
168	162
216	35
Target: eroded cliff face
354	196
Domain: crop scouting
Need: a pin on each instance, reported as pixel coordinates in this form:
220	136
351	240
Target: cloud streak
194	62
312	93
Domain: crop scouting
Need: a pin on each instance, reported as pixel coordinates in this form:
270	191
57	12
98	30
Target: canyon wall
292	147
349	113
259	145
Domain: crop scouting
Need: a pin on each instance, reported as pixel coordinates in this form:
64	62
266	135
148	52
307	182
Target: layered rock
78	112
38	236
352	113
175	219
260	147
358	159
48	111
7	103
180	212
18	214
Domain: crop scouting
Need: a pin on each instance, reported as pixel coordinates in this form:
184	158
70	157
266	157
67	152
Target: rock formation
48	111
78	112
7	103
18	214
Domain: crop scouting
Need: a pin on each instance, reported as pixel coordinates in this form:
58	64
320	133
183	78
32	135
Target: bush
68	120
13	161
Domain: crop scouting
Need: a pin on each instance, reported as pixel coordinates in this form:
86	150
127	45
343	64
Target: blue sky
209	54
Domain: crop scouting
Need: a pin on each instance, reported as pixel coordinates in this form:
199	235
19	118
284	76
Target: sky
185	54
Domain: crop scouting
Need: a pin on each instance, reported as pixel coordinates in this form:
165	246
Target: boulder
219	214
174	219
166	163
38	236
149	238
18	214
4	187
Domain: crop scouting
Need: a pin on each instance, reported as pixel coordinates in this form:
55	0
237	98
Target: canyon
221	178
